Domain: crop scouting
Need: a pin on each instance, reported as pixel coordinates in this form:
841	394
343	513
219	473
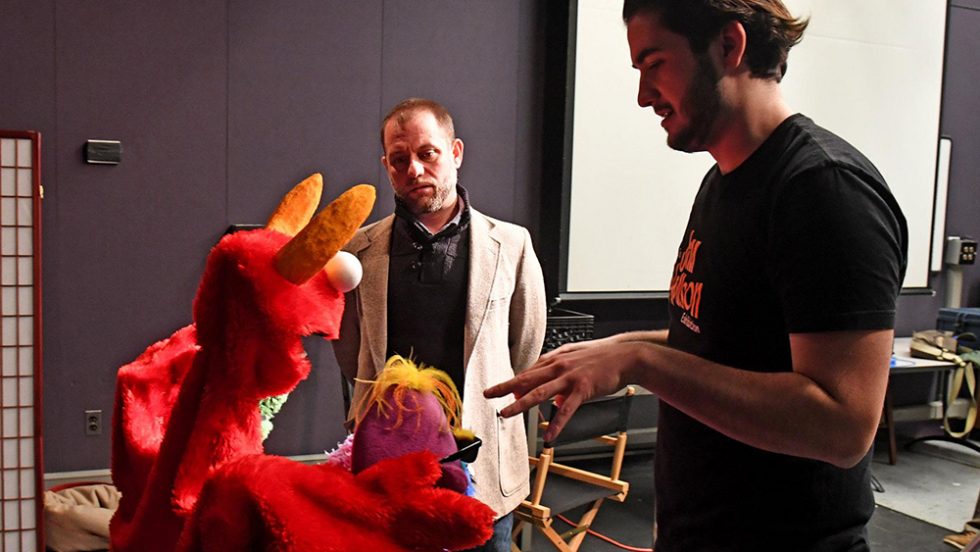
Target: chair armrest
532	513
616	485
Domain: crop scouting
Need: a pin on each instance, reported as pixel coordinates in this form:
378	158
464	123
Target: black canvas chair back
602	416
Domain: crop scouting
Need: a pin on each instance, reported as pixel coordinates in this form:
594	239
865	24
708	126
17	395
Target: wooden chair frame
532	512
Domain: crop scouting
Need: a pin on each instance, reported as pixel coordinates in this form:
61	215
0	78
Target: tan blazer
505	325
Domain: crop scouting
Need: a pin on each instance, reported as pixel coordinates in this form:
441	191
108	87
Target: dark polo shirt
427	288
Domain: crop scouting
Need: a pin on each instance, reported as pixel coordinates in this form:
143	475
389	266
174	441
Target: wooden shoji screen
21	468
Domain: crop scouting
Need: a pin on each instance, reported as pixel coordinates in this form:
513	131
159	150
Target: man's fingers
568	407
522	383
523	403
553	353
534	396
566	348
516	385
512	386
500	390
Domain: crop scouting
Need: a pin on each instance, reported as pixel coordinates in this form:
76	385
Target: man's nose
415	168
645	94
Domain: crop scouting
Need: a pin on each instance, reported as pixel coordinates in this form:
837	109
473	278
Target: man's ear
732	42
384	161
458	152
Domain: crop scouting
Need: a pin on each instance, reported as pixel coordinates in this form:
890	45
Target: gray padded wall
221	107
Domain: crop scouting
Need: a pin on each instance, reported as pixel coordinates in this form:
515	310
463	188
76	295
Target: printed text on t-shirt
683	293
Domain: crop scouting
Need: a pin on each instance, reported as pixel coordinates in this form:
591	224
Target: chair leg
585	522
555	539
515	534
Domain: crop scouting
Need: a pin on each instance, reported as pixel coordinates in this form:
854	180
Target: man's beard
702	104
429	203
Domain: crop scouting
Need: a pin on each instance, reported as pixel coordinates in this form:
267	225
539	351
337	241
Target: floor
928	494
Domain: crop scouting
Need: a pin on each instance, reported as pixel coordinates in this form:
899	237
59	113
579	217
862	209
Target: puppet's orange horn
308	252
297	207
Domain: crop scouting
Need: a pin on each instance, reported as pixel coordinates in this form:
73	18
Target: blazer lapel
484	256
373	290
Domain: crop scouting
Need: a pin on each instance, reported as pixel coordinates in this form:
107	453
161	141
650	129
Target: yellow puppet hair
401	375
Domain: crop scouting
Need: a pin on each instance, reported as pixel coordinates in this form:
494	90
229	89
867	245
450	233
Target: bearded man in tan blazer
450	288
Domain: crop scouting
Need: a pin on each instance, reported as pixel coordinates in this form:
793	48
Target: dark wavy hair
769	27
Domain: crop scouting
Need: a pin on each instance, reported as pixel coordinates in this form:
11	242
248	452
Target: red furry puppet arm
146	390
425	516
392	506
396	496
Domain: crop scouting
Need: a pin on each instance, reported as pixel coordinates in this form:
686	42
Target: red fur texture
248	322
271	503
186	418
146	391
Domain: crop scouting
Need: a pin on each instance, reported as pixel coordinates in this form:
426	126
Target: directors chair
557	488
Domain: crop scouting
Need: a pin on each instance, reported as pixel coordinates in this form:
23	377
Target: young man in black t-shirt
773	371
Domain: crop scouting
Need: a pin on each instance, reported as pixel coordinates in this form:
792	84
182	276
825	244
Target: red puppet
189	404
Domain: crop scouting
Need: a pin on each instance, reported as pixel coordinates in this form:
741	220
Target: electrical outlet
93	422
960	250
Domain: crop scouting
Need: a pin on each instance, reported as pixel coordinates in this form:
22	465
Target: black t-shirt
804	236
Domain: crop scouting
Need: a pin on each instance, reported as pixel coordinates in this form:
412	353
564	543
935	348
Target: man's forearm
657	337
787	412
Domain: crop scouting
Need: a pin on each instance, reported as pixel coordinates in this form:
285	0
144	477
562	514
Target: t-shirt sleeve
838	246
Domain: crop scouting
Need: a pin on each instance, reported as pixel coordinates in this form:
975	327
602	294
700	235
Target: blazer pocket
500	303
512	455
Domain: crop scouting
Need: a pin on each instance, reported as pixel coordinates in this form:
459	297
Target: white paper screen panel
871	71
20	464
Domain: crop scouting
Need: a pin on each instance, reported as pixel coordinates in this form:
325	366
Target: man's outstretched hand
571	374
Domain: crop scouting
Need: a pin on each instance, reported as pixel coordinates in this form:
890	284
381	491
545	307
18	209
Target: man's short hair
770	29
407	108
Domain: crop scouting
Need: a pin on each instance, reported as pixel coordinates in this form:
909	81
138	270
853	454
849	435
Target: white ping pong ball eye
344	271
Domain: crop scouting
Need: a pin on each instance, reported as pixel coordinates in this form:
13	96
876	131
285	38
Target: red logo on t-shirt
683	293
